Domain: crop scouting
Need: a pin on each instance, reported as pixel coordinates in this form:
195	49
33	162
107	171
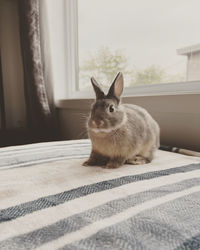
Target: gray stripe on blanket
191	243
76	222
60	198
42	161
164	227
9	154
44	146
35	156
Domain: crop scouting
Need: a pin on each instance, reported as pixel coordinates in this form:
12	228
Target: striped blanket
48	200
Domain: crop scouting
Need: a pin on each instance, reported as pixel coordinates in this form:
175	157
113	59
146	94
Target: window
156	44
151	42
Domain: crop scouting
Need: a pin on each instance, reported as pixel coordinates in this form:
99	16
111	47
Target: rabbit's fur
120	133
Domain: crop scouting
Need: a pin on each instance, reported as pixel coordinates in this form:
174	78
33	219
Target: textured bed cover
48	200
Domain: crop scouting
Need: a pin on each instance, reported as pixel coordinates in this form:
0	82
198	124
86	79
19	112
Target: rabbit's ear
117	86
99	93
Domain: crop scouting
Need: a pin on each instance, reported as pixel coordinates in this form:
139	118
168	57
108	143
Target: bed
48	200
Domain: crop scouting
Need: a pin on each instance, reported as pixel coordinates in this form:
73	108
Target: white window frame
72	66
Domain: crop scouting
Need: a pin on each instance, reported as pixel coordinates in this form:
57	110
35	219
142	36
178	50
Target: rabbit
120	133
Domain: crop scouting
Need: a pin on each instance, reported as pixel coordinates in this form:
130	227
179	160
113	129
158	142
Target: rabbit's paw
111	165
115	163
137	160
85	163
88	163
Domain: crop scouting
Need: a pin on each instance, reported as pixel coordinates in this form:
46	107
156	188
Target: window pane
149	41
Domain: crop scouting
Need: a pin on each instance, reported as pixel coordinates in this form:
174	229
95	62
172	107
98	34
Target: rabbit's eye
111	108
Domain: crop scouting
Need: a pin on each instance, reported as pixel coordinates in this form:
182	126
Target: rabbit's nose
98	124
94	124
101	123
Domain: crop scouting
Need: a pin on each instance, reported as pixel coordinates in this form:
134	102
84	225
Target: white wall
177	115
12	64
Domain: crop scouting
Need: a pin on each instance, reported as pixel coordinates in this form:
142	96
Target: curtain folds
41	115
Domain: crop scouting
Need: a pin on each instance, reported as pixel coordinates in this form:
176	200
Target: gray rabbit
120	133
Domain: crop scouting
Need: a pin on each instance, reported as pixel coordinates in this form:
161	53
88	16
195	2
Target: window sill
83	99
190	87
181	102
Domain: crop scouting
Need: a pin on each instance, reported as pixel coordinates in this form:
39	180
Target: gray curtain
41	115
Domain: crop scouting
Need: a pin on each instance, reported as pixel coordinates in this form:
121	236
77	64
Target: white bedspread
48	200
